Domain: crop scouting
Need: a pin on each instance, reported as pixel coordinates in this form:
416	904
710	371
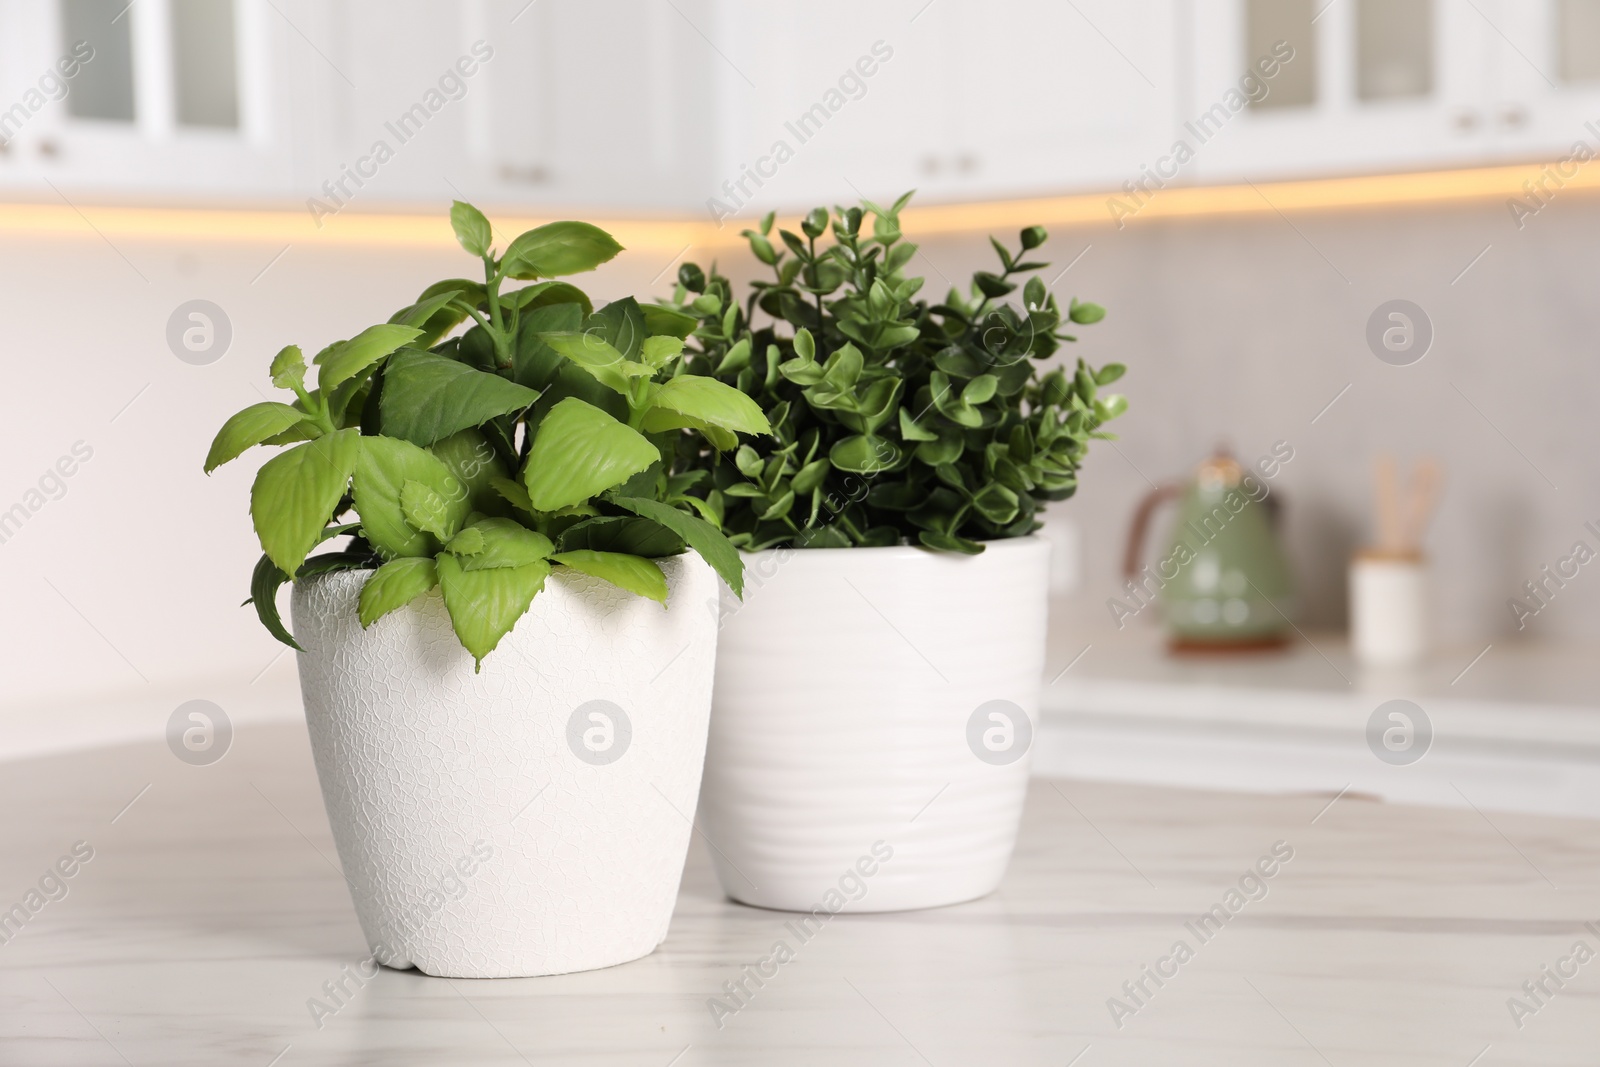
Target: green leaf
864	454
295	492
621	324
533	362
472	229
425	510
505	543
911	430
659	351
288	368
1086	314
485	604
713	403
665	321
349	358
386	465
980	390
1109	373
636	575
467	542
513	493
699	534
557	249
579	452
996	503
811	476
253	425
949	543
264	584
394	585
599	357
547	294
475	464
428	397
621	533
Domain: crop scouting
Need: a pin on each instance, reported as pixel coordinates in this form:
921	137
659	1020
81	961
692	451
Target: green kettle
1223	582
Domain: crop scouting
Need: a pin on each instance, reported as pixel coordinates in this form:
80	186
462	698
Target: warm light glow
295	227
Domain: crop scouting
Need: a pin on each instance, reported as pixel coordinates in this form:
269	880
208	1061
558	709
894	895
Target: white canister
1388	608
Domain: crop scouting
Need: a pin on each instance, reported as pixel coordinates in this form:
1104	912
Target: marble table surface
211	913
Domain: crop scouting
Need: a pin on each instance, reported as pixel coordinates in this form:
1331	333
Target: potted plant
878	685
506	666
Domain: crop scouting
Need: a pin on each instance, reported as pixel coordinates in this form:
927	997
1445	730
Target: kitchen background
1383	158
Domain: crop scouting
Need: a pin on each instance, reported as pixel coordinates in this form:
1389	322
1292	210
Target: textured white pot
481	829
854	704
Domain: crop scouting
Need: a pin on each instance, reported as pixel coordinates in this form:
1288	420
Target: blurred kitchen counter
1514	725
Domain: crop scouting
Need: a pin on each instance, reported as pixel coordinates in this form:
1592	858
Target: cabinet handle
1514	115
966	163
930	164
532	175
48	148
1465	121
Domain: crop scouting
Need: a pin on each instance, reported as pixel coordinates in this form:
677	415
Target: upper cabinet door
157	97
828	98
1059	97
1546	96
1298	88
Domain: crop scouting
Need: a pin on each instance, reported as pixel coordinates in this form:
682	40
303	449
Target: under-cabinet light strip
359	229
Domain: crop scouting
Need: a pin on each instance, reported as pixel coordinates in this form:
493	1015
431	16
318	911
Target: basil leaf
426	510
621	533
349	358
484	605
472	230
578	452
599	357
253	425
385	467
295	492
636	575
699	534
505	543
394	585
558	248
713	403
428	397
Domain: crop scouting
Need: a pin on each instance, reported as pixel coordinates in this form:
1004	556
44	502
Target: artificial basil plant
538	439
895	419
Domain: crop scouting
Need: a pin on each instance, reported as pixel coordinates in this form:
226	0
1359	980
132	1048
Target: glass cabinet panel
1578	40
205	79
1394	49
103	88
1266	23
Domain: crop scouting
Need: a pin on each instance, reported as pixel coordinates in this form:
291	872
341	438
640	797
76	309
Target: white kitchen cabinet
711	107
1371	86
1397	84
962	100
171	97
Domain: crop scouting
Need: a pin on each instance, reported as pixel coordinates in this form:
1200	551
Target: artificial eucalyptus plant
894	419
538	439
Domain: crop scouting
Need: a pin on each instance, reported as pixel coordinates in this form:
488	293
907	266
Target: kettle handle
1141	525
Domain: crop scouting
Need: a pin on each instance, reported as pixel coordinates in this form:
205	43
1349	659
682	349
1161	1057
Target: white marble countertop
211	912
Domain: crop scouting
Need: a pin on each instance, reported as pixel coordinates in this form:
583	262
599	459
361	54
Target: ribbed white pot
874	696
530	819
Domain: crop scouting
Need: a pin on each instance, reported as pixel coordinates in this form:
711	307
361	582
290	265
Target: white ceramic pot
530	819
874	697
